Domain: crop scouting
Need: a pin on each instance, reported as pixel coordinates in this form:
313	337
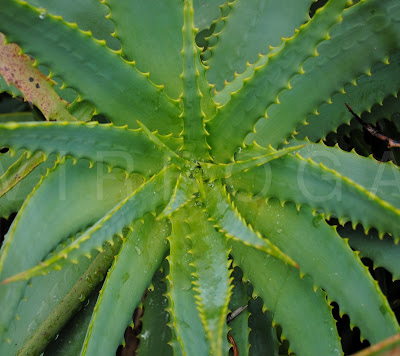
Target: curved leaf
68	193
370	89
228	220
155	334
194	133
189	334
249	30
14	196
212	284
85	63
383	252
303	181
116	147
155	192
89	15
382	179
140	23
323	255
374	37
238	117
304	314
141	255
19	170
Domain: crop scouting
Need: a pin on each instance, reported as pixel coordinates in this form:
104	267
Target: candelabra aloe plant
199	170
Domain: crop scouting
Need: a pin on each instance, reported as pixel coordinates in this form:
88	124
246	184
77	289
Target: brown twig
234	346
373	130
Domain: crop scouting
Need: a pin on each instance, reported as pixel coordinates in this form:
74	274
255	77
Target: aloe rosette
205	165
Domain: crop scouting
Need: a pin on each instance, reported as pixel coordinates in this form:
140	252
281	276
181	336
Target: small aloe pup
204	185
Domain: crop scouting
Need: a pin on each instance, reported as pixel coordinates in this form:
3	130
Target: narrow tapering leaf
73	191
189	334
237	118
329	261
153	193
84	63
113	146
141	255
212	284
228	220
194	134
302	312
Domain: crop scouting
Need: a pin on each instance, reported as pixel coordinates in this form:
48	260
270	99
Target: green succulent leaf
76	11
113	146
154	191
374	37
158	23
143	250
256	25
223	170
194	134
271	75
363	93
349	283
229	221
55	195
19	170
69	60
384	252
180	144
381	179
15	194
322	185
212	278
292	301
189	334
155	335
